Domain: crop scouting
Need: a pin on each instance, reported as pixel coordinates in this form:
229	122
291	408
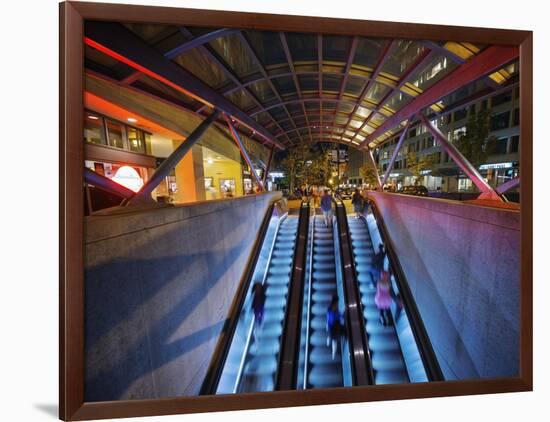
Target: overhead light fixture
92	117
132	119
209	160
218	157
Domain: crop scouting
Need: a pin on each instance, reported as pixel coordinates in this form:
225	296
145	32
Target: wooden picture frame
71	158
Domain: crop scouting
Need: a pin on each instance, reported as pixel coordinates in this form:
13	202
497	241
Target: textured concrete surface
462	264
159	284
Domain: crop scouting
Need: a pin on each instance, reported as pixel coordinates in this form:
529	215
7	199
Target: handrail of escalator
290	343
308	311
216	366
355	324
427	353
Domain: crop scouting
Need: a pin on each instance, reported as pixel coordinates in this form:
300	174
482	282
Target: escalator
248	359
387	361
401	351
321	370
261	361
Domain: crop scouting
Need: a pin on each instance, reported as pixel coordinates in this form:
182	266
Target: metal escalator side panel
290	343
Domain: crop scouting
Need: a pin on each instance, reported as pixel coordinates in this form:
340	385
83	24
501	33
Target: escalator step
277	279
322	355
268	330
383	342
318	338
321	296
387	361
323	276
319	322
325	265
391	377
322	376
261	365
276	302
375	327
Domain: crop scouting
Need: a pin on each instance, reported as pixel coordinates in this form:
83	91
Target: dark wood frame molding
71	263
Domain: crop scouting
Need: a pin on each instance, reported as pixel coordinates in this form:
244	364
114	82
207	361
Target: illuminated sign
276	174
128	177
496	166
394	174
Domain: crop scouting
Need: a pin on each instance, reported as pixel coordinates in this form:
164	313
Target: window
459	114
472	110
516	117
136	141
484	105
115	132
500	121
412	133
502	144
515	144
93	128
502	98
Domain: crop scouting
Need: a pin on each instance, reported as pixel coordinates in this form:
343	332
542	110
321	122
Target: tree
368	174
419	164
303	165
475	143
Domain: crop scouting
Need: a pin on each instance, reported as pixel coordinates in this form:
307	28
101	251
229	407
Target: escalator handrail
215	369
308	314
361	361
425	347
290	341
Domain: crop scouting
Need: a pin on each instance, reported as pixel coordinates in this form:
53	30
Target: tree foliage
475	143
303	165
368	174
417	164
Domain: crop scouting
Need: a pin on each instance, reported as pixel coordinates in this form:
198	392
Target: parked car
417	190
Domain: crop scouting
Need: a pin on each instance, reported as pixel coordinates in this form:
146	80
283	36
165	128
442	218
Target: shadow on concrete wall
139	344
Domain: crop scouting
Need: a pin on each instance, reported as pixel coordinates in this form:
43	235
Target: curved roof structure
285	88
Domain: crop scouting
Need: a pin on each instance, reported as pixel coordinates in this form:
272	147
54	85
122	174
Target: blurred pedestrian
357	201
383	298
326	207
258	307
334	325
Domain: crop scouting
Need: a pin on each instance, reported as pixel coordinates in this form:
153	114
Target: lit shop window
93	128
115	133
136	142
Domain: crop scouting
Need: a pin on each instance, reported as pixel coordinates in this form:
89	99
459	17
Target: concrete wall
159	284
462	264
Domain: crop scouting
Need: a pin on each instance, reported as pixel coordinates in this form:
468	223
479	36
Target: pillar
190	176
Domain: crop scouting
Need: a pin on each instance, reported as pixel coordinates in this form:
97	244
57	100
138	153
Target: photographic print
307	209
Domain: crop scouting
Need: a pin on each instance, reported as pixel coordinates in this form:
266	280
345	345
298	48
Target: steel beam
384	54
245	155
486	62
106	184
487	192
266	171
182	48
173	159
420	61
118	42
505	187
396	151
373	163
